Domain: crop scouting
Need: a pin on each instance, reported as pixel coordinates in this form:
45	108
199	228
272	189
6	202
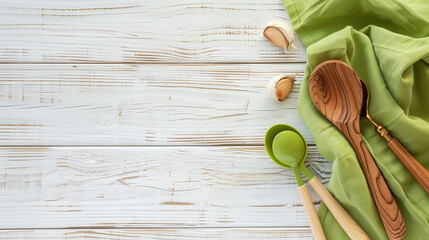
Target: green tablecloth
387	44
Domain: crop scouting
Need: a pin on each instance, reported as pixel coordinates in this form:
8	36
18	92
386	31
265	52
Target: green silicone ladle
287	147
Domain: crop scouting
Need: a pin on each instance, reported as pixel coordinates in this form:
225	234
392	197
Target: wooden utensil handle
386	205
353	230
313	219
415	168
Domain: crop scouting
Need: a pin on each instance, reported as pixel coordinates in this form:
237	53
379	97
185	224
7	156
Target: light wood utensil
349	225
414	167
310	211
291	151
337	94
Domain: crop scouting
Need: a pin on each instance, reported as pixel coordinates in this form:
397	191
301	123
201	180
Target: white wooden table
145	119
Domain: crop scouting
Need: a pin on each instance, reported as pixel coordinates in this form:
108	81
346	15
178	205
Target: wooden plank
141	31
132	187
144	104
162	234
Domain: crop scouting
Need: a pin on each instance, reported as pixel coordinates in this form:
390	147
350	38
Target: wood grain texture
414	167
126	104
162	234
144	31
347	223
134	187
163	192
336	92
419	172
310	211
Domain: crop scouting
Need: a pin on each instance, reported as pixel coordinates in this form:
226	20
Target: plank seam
149	63
140	146
157	228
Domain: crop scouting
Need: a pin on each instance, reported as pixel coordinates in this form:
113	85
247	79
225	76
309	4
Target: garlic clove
279	87
276	37
280	34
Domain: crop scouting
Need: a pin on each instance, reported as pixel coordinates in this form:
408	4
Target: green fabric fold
387	44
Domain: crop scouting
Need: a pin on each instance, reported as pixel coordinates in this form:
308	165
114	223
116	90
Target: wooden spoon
336	92
414	167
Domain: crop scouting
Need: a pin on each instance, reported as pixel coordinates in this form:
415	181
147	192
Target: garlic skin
279	87
280	34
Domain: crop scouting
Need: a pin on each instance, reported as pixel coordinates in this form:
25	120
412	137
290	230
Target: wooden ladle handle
386	205
415	168
313	219
353	230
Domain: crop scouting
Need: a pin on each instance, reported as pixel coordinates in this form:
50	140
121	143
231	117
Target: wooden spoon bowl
336	92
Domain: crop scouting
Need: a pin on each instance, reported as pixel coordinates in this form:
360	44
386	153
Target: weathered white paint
144	104
141	31
109	187
162	234
173	183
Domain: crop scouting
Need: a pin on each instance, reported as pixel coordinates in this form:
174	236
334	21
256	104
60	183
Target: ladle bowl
271	135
